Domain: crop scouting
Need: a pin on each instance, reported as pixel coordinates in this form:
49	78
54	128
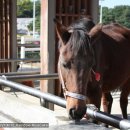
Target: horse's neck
100	58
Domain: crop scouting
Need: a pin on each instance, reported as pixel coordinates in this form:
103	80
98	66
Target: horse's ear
96	30
61	31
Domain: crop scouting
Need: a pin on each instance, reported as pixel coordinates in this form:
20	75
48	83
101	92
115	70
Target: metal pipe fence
20	73
112	120
32	77
28	45
47	96
19	60
91	110
24	49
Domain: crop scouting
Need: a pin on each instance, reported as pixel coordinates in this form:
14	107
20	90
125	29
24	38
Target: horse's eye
67	65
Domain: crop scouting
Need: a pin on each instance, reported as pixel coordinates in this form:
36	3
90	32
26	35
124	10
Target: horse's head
74	67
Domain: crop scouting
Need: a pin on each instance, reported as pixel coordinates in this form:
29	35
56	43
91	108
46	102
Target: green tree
107	15
24	9
37	22
37	25
119	14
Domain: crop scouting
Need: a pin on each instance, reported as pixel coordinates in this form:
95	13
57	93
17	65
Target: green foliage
119	14
24	9
38	7
37	25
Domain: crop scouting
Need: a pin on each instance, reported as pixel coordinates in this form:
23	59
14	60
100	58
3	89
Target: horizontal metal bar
19	60
28	45
32	49
47	96
20	73
114	121
26	39
32	77
91	110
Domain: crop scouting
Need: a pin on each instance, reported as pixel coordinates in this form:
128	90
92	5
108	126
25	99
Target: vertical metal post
100	13
22	55
34	17
101	6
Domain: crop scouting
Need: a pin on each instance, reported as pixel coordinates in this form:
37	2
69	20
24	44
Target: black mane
85	24
79	40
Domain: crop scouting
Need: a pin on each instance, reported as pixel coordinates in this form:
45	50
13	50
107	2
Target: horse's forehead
66	52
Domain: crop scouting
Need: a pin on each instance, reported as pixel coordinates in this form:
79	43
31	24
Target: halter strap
66	92
76	95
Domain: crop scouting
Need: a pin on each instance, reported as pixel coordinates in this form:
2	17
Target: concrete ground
22	108
61	114
116	111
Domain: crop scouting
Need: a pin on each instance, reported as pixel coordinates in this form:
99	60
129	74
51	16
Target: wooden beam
94	9
47	45
13	33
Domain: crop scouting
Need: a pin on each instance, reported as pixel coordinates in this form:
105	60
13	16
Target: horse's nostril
72	113
76	114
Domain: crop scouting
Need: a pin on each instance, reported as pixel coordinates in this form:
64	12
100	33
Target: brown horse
92	64
73	68
111	44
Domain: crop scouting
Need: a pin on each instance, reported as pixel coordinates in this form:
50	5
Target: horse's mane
85	24
79	40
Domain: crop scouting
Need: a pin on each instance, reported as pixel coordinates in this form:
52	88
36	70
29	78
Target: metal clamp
91	109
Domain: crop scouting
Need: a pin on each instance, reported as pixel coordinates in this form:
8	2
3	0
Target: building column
13	30
47	45
94	10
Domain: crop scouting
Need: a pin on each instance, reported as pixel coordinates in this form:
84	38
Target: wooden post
47	45
94	9
13	30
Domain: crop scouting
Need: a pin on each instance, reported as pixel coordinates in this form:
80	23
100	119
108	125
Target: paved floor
116	105
61	114
115	108
24	108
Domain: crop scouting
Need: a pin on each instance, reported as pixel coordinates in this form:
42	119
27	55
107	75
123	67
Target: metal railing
31	77
114	121
24	45
47	96
19	60
91	110
28	45
20	73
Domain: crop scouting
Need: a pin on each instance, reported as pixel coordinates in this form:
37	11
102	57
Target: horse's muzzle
77	114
